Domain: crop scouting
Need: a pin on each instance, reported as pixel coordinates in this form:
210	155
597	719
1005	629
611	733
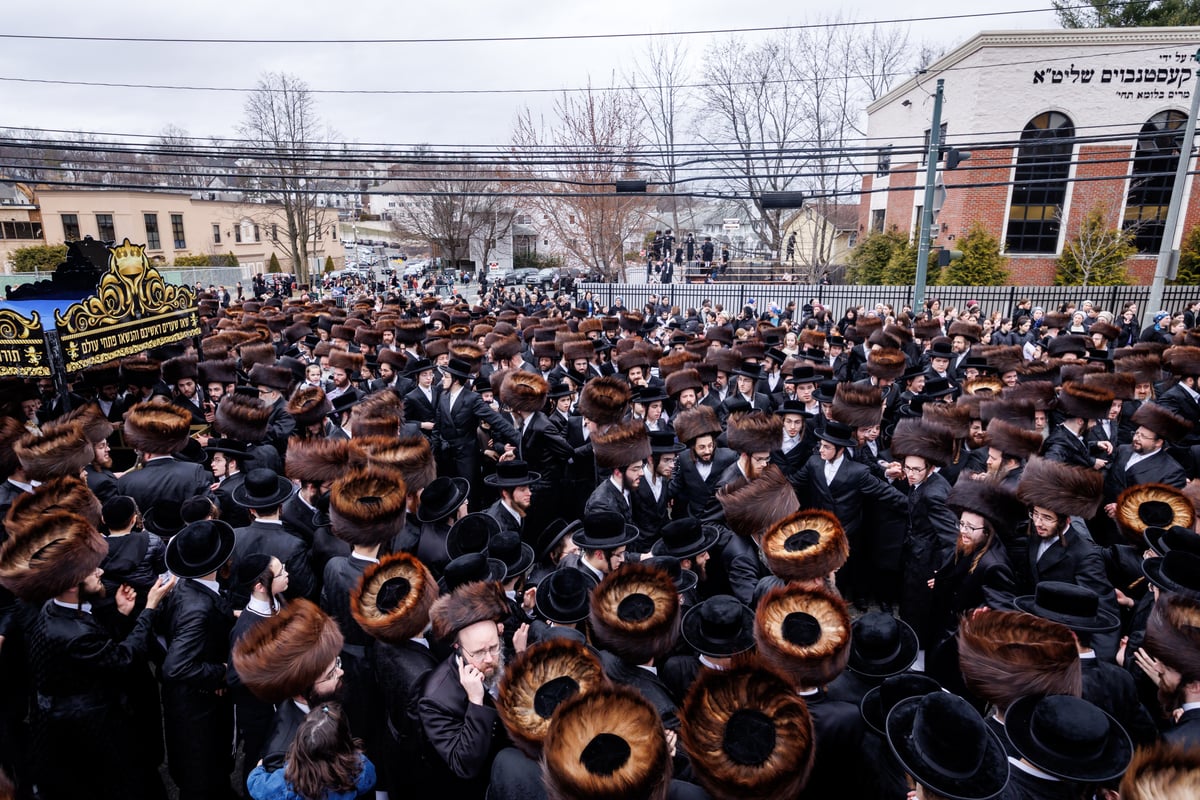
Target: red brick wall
902	198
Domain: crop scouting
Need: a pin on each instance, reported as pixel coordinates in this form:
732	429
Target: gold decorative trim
130	288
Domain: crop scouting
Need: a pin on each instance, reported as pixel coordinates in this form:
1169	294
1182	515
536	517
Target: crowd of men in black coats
578	555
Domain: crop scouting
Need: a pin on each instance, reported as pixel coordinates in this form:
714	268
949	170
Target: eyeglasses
760	461
337	667
914	470
963	526
1047	519
479	655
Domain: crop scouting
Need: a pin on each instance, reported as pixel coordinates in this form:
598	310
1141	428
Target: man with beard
651	497
100	477
344	367
84	675
753	435
456	709
683	387
182	374
1079	404
699	469
621	453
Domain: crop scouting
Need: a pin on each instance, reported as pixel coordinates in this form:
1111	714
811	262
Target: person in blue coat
324	763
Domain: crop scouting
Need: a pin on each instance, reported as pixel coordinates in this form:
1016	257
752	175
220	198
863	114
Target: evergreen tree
1189	259
1127	14
231	260
328	264
1096	255
44	257
273	265
981	264
901	269
871	257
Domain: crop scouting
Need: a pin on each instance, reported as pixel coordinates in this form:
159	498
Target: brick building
1058	123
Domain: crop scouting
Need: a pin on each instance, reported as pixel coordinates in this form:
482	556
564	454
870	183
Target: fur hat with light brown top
321	460
286	654
1173	634
367	506
858	406
1061	488
805	546
1005	655
68	493
96	427
1077	399
409	456
917	437
351	363
621	445
606	744
1162	771
244	418
1121	384
393	599
540	680
635	613
524	392
754	432
1013	441
1166	424
698	421
953	417
62	449
157	428
755	506
470	603
604	400
55	551
1152	505
754	731
886	363
1144	368
803	633
309	406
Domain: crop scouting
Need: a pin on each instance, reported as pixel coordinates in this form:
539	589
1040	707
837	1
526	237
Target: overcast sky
440	119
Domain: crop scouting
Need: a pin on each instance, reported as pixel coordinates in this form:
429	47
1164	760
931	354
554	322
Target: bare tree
282	126
594	140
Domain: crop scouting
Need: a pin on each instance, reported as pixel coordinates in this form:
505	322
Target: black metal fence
735	296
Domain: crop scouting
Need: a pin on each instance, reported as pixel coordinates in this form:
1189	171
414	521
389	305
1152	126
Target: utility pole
931	163
1168	256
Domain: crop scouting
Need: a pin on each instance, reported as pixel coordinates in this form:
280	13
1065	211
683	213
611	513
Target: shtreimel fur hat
1165	423
56	551
887	363
320	460
243	418
524	392
1005	655
858	406
367	506
351	363
635	613
409	456
621	445
465	606
759	504
1012	440
96	427
755	432
285	654
916	437
393	599
159	428
309	405
62	449
804	634
805	546
604	400
1061	488
1077	399
68	493
1162	772
696	422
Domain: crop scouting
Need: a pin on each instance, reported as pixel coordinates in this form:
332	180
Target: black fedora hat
881	645
470	568
564	596
938	387
803	373
163	520
649	394
511	474
941	349
825	392
417	366
262	489
1068	737
1077	607
192	453
749	370
684	579
1163	541
685	537
1178	572
229	447
837	433
442	498
604	530
793	407
550	536
879	700
200	548
942	742
343	403
471	534
459	369
662	442
517	556
558	389
719	627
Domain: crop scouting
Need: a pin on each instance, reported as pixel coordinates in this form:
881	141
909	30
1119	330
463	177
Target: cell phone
164	578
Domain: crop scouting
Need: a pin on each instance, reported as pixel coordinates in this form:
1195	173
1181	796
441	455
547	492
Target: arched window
1153	178
1040	184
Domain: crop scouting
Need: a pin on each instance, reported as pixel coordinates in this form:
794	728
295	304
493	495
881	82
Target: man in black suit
746	378
274	386
225	460
459	413
698	470
1080	405
621	455
100	477
1144	460
514	481
263	492
652	495
540	445
157	432
1183	398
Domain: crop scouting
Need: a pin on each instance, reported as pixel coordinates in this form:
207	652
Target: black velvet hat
685	538
1077	607
720	626
881	645
1068	737
442	498
564	596
200	548
879	700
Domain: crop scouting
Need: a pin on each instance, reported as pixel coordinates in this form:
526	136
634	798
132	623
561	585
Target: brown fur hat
159	428
1006	359
1077	399
990	499
1173	634
243	418
538	681
1183	362
604	400
55	551
410	331
309	405
672	363
754	507
1012	440
285	654
918	437
1162	421
681	380
176	369
69	493
696	422
886	363
1061	488
1056	320
805	546
256	354
1152	505
1109	331
96	427
409	456
803	633
1014	412
755	733
393	599
222	370
1040	371
754	431
605	744
1121	384
1162	771
1144	368
280	379
984	386
11	431
384	423
367	506
635	613
590	325
1042	394
524	391
572	351
466	605
724	360
968	330
62	449
1005	655
352	363
621	445
858	406
321	460
953	417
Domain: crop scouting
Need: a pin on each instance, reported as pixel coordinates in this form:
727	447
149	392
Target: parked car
415	270
498	276
543	278
521	276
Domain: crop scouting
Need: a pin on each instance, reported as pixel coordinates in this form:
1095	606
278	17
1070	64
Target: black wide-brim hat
604	530
1177	537
550	536
457	368
837	434
882	645
1068	737
471	534
163	520
1077	607
685	580
418	366
511	474
663	442
442	498
229	447
517	556
565	595
262	489
879	700
719	627
200	548
917	725
685	538
1177	572
470	568
825	391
